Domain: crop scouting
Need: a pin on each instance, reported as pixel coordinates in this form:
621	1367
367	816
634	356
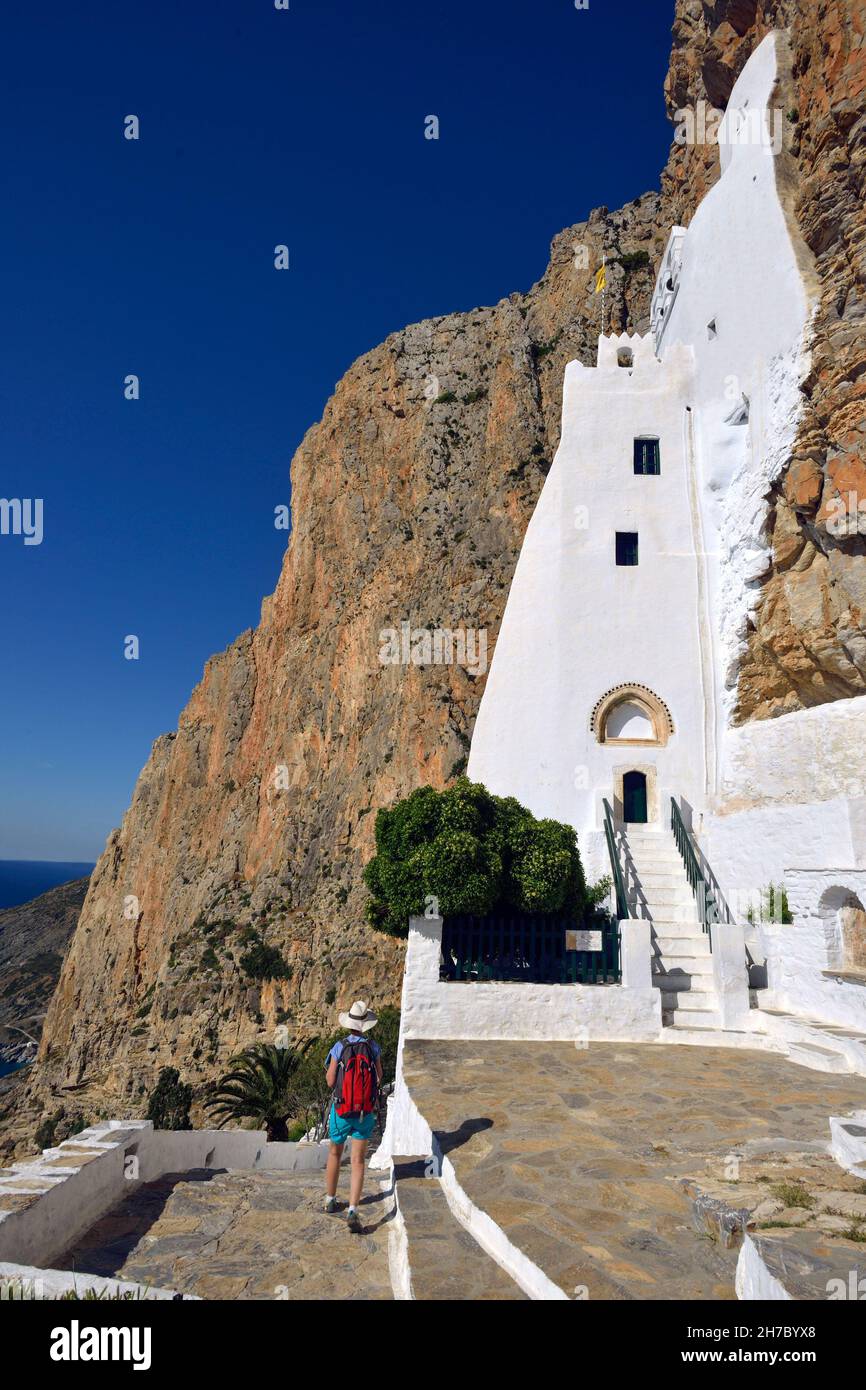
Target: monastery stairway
658	890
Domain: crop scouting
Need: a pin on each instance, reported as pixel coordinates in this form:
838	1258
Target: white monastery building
614	676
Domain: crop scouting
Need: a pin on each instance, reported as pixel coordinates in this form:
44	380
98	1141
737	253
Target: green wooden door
634	798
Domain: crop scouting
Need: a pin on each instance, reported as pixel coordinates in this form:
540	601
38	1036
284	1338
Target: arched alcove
632	714
844	919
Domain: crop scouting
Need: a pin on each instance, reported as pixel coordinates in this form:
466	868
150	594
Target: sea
23	879
7	1067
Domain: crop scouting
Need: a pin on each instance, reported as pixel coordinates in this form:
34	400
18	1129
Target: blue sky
155	257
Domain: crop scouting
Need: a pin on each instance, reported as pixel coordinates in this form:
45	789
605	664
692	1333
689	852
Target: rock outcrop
33	939
241	853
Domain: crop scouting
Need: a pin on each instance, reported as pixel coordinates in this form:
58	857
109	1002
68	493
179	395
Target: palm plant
264	1084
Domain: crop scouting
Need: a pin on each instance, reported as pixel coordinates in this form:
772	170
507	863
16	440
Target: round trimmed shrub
474	853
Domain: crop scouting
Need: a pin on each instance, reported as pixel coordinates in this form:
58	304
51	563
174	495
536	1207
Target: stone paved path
580	1154
236	1235
446	1262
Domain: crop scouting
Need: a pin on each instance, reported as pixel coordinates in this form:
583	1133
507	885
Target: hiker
354	1073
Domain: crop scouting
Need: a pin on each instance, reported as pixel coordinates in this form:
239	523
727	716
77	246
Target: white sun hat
359	1019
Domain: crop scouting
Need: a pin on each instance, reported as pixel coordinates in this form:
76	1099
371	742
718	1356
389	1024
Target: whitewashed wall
576	624
803	960
741	272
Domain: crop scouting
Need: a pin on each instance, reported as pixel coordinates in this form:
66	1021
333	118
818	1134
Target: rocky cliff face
33	939
252	822
250	825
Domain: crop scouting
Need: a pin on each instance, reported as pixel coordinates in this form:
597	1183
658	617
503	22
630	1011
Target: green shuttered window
647	458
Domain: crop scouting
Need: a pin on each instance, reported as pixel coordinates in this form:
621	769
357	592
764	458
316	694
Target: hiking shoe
330	1206
353	1221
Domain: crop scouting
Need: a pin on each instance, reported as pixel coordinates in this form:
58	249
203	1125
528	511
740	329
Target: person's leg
332	1169
356	1178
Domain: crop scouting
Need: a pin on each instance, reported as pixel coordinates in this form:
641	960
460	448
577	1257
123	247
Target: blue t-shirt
336	1051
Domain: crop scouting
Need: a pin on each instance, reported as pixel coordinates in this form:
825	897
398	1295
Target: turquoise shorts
343	1127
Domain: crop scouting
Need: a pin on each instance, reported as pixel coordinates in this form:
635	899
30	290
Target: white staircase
658	890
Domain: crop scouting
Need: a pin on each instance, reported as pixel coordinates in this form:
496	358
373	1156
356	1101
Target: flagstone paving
239	1235
582	1155
445	1261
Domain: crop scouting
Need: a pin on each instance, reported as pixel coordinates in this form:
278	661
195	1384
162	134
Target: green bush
170	1099
773	906
56	1128
634	260
473	852
263	962
386	1034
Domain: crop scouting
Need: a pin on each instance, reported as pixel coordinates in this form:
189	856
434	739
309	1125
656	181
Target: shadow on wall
713	886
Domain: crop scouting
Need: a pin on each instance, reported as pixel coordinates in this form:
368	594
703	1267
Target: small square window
647	458
626	547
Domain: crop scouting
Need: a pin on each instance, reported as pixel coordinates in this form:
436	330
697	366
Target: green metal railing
528	948
707	906
622	907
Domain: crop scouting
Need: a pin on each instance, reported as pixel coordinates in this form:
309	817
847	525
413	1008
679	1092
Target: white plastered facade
717	382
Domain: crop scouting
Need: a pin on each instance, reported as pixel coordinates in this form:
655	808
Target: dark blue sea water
6	1067
23	879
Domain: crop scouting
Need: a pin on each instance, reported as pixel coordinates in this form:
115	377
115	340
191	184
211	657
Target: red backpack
357	1086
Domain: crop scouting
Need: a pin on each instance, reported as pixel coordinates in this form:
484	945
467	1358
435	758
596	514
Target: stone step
673	980
697	969
659	884
659	893
445	1262
792	1031
680	962
714	1036
661	863
672	929
809	1054
651	837
684	1016
673	954
667	911
652	858
692	944
681	996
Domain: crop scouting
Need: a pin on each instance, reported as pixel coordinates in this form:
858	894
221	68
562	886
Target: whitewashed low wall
79	1181
848	1141
796	959
433	1008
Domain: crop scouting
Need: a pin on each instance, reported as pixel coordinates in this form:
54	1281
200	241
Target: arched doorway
634	798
